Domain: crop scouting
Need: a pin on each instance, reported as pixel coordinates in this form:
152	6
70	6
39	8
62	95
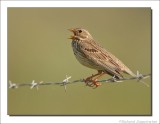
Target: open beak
71	37
73	31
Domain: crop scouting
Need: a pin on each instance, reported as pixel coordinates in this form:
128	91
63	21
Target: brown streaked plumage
92	55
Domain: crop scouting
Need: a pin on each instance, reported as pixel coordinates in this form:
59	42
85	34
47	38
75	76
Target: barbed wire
66	81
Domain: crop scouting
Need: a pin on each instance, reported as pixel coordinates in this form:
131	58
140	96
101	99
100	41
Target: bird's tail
128	71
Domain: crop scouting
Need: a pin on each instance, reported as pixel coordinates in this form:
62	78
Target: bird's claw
91	83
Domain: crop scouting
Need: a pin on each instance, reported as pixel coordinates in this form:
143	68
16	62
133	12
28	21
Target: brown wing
101	57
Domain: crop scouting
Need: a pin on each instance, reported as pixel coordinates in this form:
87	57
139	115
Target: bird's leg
93	82
89	80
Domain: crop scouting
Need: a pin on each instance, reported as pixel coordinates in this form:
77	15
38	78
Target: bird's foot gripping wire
92	83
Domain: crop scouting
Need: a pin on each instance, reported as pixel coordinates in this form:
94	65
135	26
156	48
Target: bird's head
80	34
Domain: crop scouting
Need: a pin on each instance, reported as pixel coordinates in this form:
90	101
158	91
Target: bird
90	54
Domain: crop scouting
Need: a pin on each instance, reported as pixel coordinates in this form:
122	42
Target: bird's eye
80	31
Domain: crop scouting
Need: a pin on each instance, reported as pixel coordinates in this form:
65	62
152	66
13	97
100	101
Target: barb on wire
35	84
66	81
12	85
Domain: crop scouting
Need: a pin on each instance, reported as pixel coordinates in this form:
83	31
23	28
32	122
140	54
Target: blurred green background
38	49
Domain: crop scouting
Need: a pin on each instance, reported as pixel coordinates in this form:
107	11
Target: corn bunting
89	53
